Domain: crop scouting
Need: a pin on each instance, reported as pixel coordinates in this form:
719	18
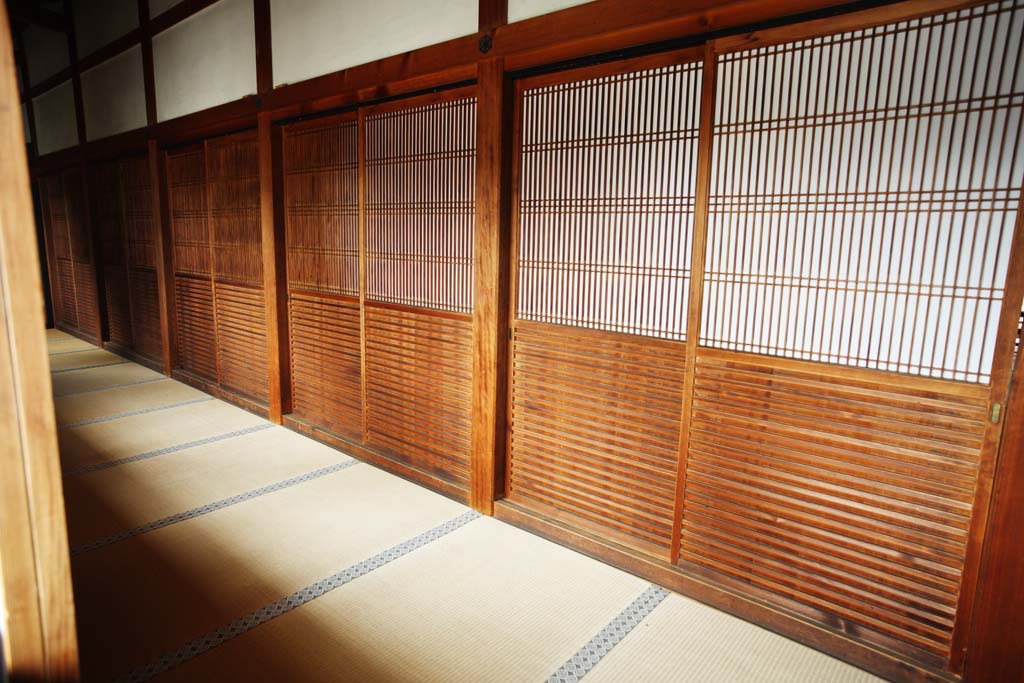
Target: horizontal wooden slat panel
119	318
418	385
85	287
847	492
66	281
595	429
197	346
241	340
326	366
146	313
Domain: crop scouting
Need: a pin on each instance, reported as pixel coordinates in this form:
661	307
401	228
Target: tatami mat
97	404
210	545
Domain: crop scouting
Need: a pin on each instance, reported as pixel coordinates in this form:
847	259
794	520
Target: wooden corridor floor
210	545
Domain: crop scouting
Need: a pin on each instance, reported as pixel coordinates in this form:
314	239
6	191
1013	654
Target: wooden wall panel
140	236
241	339
105	199
232	184
197	340
80	241
418	381
595	430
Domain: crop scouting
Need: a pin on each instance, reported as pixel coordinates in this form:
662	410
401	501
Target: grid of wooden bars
139	230
864	191
105	199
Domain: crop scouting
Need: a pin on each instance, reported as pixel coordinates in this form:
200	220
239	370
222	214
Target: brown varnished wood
274	278
264	47
490	298
39	639
163	255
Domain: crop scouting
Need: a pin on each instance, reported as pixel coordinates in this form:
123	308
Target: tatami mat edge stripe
66	353
62	339
131	413
169	449
90	367
607	638
300	597
212	507
113	386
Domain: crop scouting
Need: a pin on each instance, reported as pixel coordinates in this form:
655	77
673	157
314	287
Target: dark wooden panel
105	200
418	380
326	362
232	178
847	493
146	312
80	241
66	279
595	429
241	339
197	341
186	198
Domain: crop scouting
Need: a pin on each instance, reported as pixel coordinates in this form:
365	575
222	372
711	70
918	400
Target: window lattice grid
421	205
606	201
864	192
321	168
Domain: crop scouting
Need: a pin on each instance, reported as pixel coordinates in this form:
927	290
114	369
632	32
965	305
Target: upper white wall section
46	52
56	127
206	60
158	7
315	37
524	9
98	22
114	95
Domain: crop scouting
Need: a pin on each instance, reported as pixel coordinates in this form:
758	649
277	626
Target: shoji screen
606	182
863	198
140	237
193	284
105	198
213	192
321	199
420	166
232	176
66	221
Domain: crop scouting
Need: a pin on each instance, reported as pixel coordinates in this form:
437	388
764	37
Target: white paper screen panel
206	60
315	37
864	193
606	201
524	9
56	126
99	22
114	96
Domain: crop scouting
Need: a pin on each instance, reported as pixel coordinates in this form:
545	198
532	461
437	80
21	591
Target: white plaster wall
524	9
114	95
46	52
55	118
98	22
206	60
315	37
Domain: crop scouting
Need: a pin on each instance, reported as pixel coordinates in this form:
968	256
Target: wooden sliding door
105	202
606	182
140	241
213	196
321	200
68	235
419	202
810	417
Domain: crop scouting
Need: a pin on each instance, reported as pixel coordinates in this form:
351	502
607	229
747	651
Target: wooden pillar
491	284
148	80
164	248
275	290
39	636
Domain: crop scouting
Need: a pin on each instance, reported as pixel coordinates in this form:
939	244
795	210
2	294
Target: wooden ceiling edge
574	33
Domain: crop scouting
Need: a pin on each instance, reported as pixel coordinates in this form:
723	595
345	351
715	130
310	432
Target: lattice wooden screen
607	168
321	198
140	247
105	199
65	307
863	196
420	164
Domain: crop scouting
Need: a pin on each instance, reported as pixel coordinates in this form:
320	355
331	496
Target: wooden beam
275	287
264	51
39	635
492	14
997	634
29	106
164	249
76	80
32	13
148	78
491	284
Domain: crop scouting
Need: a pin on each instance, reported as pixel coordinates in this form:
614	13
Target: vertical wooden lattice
140	249
863	196
607	173
80	241
232	176
420	208
65	308
105	198
321	199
